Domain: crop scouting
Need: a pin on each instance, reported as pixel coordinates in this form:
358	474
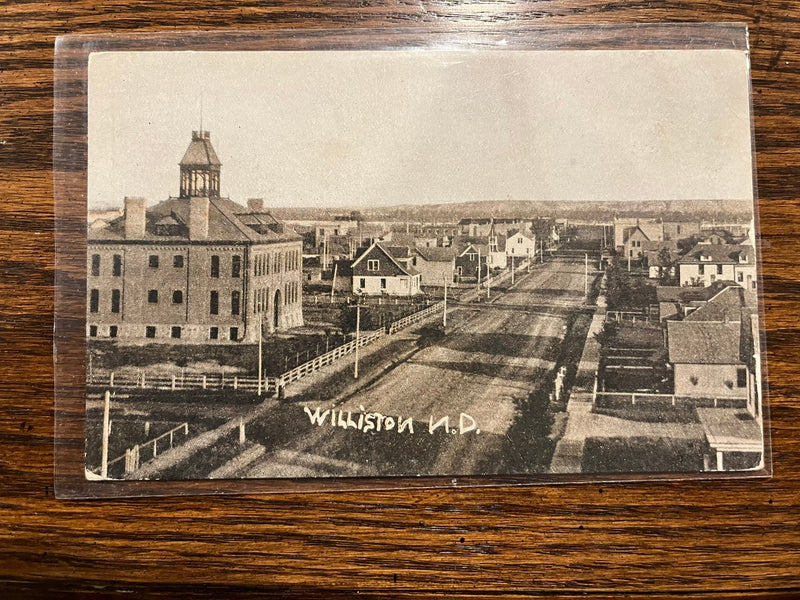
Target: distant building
680	230
198	268
482	226
382	270
624	227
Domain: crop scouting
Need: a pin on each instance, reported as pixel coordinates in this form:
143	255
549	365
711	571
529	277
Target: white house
706	263
520	244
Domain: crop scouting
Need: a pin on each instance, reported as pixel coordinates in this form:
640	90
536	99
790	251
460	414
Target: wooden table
665	539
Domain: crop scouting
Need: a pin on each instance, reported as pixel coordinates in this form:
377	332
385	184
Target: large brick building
196	268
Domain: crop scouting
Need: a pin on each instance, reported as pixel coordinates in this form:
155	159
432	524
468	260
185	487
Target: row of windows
264	264
175	332
94	301
116	265
701	269
154	261
152	298
291	294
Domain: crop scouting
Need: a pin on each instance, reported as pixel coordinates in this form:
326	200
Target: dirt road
460	393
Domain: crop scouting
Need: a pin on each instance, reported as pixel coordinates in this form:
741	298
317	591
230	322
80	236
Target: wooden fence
618	399
146	451
415	318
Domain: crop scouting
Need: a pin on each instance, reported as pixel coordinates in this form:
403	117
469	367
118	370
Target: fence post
142	379
204	381
186	429
236	382
155	447
242	438
633	399
173	383
111	379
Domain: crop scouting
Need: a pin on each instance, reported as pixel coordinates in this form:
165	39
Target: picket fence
269	385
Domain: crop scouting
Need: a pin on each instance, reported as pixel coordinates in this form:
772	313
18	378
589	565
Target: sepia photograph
421	262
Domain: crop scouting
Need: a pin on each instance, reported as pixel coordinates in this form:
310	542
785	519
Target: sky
375	128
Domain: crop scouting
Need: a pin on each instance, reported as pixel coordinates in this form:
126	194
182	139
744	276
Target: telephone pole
586	277
358	336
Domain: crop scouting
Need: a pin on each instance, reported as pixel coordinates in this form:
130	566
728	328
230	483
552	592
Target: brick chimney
198	218
135	209
255	205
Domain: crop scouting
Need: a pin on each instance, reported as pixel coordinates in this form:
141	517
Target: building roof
436	254
725	306
523	232
629	232
687	294
387	251
703	342
227	222
657	245
719	254
200	151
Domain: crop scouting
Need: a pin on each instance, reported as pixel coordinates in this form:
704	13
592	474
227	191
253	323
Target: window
177	261
154	261
719	269
236	265
519	240
152	296
741	377
177	297
234	334
213	333
214	302
117	266
94	301
115	294
215	266
95	265
92	330
362	283
235	299
176	332
373	265
701	269
383	283
112	331
740	277
150	331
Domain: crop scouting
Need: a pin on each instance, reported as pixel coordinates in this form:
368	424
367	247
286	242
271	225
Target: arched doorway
277	309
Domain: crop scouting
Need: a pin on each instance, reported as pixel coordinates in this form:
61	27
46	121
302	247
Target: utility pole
586	278
358	336
479	268
104	461
260	349
444	312
512	270
333	284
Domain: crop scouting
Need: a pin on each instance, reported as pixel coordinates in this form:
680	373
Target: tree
666	264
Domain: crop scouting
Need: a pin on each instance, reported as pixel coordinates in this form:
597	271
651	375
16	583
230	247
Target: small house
381	270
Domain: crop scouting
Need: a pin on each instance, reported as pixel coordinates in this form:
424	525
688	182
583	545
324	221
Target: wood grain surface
738	538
